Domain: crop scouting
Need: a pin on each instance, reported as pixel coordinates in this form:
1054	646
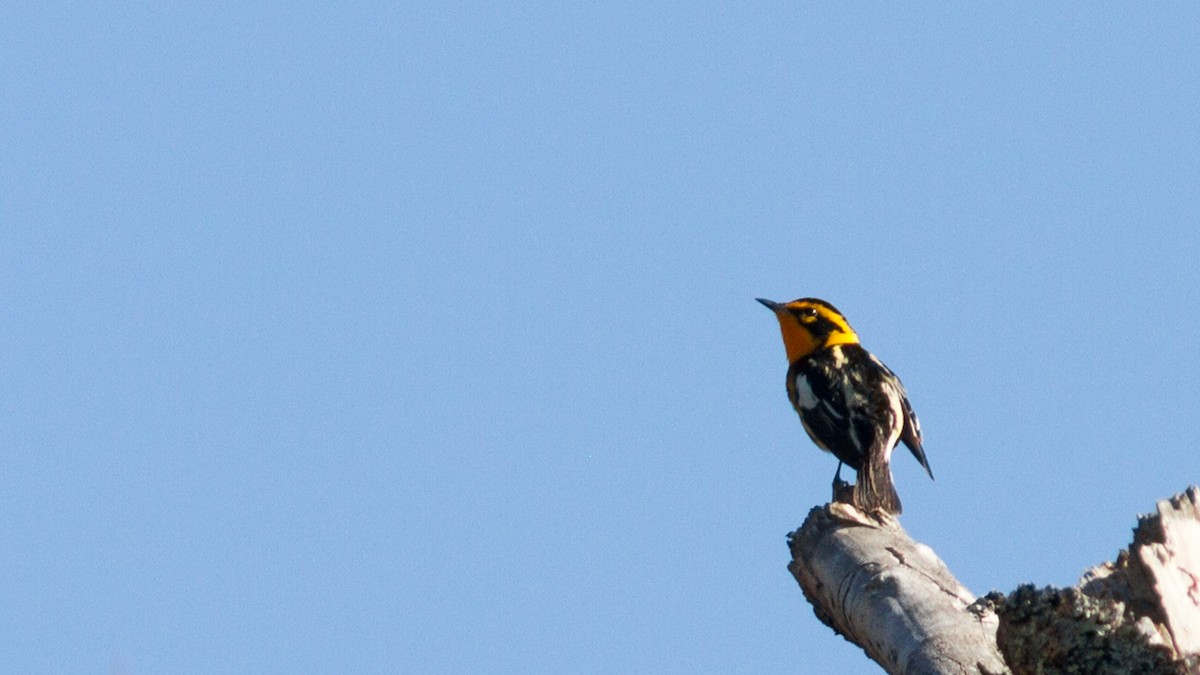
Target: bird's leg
839	486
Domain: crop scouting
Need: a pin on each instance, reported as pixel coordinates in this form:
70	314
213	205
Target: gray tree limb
892	596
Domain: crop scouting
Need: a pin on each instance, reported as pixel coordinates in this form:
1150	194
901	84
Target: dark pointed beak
773	306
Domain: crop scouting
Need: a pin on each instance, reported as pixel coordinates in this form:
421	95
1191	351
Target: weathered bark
890	595
1139	614
870	582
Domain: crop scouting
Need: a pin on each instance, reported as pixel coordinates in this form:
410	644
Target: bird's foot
843	491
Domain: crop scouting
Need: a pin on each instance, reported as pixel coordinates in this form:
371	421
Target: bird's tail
874	490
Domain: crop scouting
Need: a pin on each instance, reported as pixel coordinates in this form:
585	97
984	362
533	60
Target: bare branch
893	597
1139	614
870	582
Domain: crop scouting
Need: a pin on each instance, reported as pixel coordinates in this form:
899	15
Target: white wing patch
804	393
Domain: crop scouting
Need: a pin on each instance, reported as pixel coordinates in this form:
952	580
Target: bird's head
809	324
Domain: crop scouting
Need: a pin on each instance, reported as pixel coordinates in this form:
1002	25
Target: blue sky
380	338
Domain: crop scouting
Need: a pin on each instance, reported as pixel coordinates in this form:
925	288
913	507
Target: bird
849	402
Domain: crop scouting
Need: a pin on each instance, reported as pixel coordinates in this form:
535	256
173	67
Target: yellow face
809	324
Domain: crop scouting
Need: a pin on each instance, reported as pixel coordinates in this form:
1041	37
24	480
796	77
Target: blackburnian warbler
849	402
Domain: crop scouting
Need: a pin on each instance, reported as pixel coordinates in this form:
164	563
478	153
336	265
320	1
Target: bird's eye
808	314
